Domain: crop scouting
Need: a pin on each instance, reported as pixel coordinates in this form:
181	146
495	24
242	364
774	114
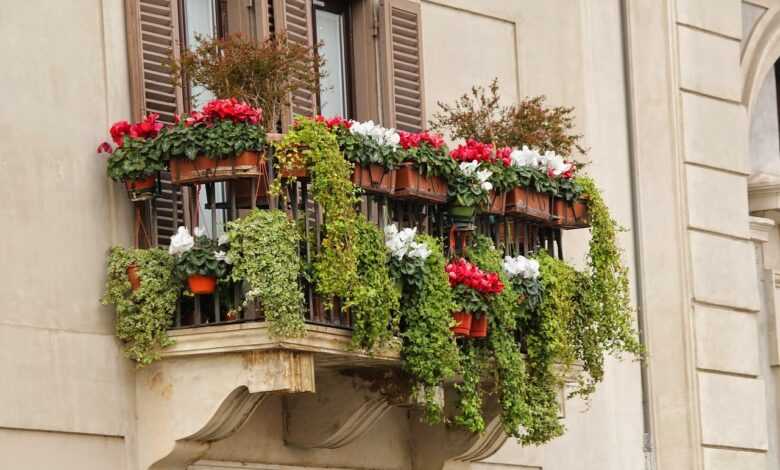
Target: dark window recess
332	31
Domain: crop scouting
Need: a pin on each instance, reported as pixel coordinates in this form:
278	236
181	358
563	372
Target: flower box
374	179
497	204
570	214
462	323
410	184
141	189
528	203
204	169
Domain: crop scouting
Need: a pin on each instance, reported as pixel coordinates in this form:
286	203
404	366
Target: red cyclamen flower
462	272
473	150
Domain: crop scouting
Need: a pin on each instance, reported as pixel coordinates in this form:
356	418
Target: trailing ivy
372	301
605	311
143	315
264	253
429	351
470	390
509	372
311	143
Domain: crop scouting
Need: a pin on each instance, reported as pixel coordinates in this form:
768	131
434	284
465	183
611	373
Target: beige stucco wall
66	395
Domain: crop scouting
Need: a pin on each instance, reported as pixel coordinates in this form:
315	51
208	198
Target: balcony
423	237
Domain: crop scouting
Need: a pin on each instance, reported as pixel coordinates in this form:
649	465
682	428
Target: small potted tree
136	158
471	289
198	260
424	167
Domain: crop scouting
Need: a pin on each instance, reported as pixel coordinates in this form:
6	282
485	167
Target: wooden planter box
206	170
570	214
529	204
374	179
497	204
410	184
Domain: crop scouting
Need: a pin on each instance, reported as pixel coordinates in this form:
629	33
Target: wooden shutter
153	36
295	18
403	96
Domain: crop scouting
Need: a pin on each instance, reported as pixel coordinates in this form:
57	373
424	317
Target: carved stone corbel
184	404
343	409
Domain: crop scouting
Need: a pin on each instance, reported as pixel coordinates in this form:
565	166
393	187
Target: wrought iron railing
212	204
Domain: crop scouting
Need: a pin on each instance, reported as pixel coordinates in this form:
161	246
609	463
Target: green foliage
470	399
373	300
335	269
429	350
264	252
509	372
144	315
201	260
605	311
535	178
362	149
135	159
466	190
222	139
430	161
504	178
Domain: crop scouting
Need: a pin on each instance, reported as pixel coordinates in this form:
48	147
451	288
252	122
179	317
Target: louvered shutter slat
295	18
403	95
153	36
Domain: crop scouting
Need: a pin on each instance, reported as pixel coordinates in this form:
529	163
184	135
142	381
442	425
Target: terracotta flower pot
479	326
204	169
134	277
142	184
199	284
297	169
410	184
374	178
570	214
527	203
463	326
497	203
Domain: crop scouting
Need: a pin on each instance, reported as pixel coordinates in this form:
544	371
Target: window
331	28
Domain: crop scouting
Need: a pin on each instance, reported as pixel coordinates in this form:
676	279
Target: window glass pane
200	20
333	88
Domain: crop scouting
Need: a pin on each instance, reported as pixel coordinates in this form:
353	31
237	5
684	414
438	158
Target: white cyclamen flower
557	166
181	242
223	239
362	128
199	231
419	250
521	266
525	157
391	231
468	168
486	186
484	175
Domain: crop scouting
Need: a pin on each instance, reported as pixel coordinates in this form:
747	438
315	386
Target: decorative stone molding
185	404
764	195
760	228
